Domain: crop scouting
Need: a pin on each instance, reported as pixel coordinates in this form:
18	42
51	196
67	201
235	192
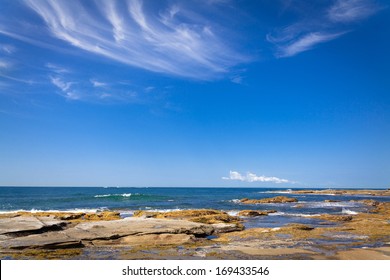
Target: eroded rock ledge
277	199
205	216
58	231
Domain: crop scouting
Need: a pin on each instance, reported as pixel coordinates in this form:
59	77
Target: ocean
128	200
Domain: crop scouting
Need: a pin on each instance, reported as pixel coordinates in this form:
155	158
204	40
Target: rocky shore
194	234
345	192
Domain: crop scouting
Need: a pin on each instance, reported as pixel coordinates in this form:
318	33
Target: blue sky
284	93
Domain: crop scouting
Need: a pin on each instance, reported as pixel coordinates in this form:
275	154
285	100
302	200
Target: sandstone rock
301	205
223	228
335	218
132	226
370	202
277	199
102	216
298	227
48	240
70	216
205	216
28	225
255	213
331	200
106	230
158	239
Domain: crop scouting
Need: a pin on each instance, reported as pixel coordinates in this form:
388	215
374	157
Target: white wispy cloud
237	79
318	27
96	83
4	64
58	82
72	87
351	10
129	32
6	48
65	88
251	177
149	88
56	68
306	42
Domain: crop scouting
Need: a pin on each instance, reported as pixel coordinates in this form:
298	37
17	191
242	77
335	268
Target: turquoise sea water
128	200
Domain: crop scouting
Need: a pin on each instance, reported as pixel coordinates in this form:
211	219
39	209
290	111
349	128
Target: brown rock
277	199
157	239
223	228
73	217
299	227
107	230
102	216
331	200
335	218
370	202
255	213
205	216
70	216
29	225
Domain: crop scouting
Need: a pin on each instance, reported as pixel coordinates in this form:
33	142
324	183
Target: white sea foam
302	215
164	210
113	195
321	204
233	212
293	214
348	211
237	201
277	214
76	210
102	195
150	209
281	192
127	212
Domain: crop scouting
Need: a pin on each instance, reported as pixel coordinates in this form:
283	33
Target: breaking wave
114	195
280	192
293	214
349	212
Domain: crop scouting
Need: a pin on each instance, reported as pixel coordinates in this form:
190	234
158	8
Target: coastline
198	234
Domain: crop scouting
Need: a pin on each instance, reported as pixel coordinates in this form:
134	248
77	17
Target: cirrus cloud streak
319	26
169	40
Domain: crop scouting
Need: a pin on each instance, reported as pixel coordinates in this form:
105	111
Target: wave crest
114	195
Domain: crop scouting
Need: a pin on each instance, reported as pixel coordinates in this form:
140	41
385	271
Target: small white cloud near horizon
251	177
